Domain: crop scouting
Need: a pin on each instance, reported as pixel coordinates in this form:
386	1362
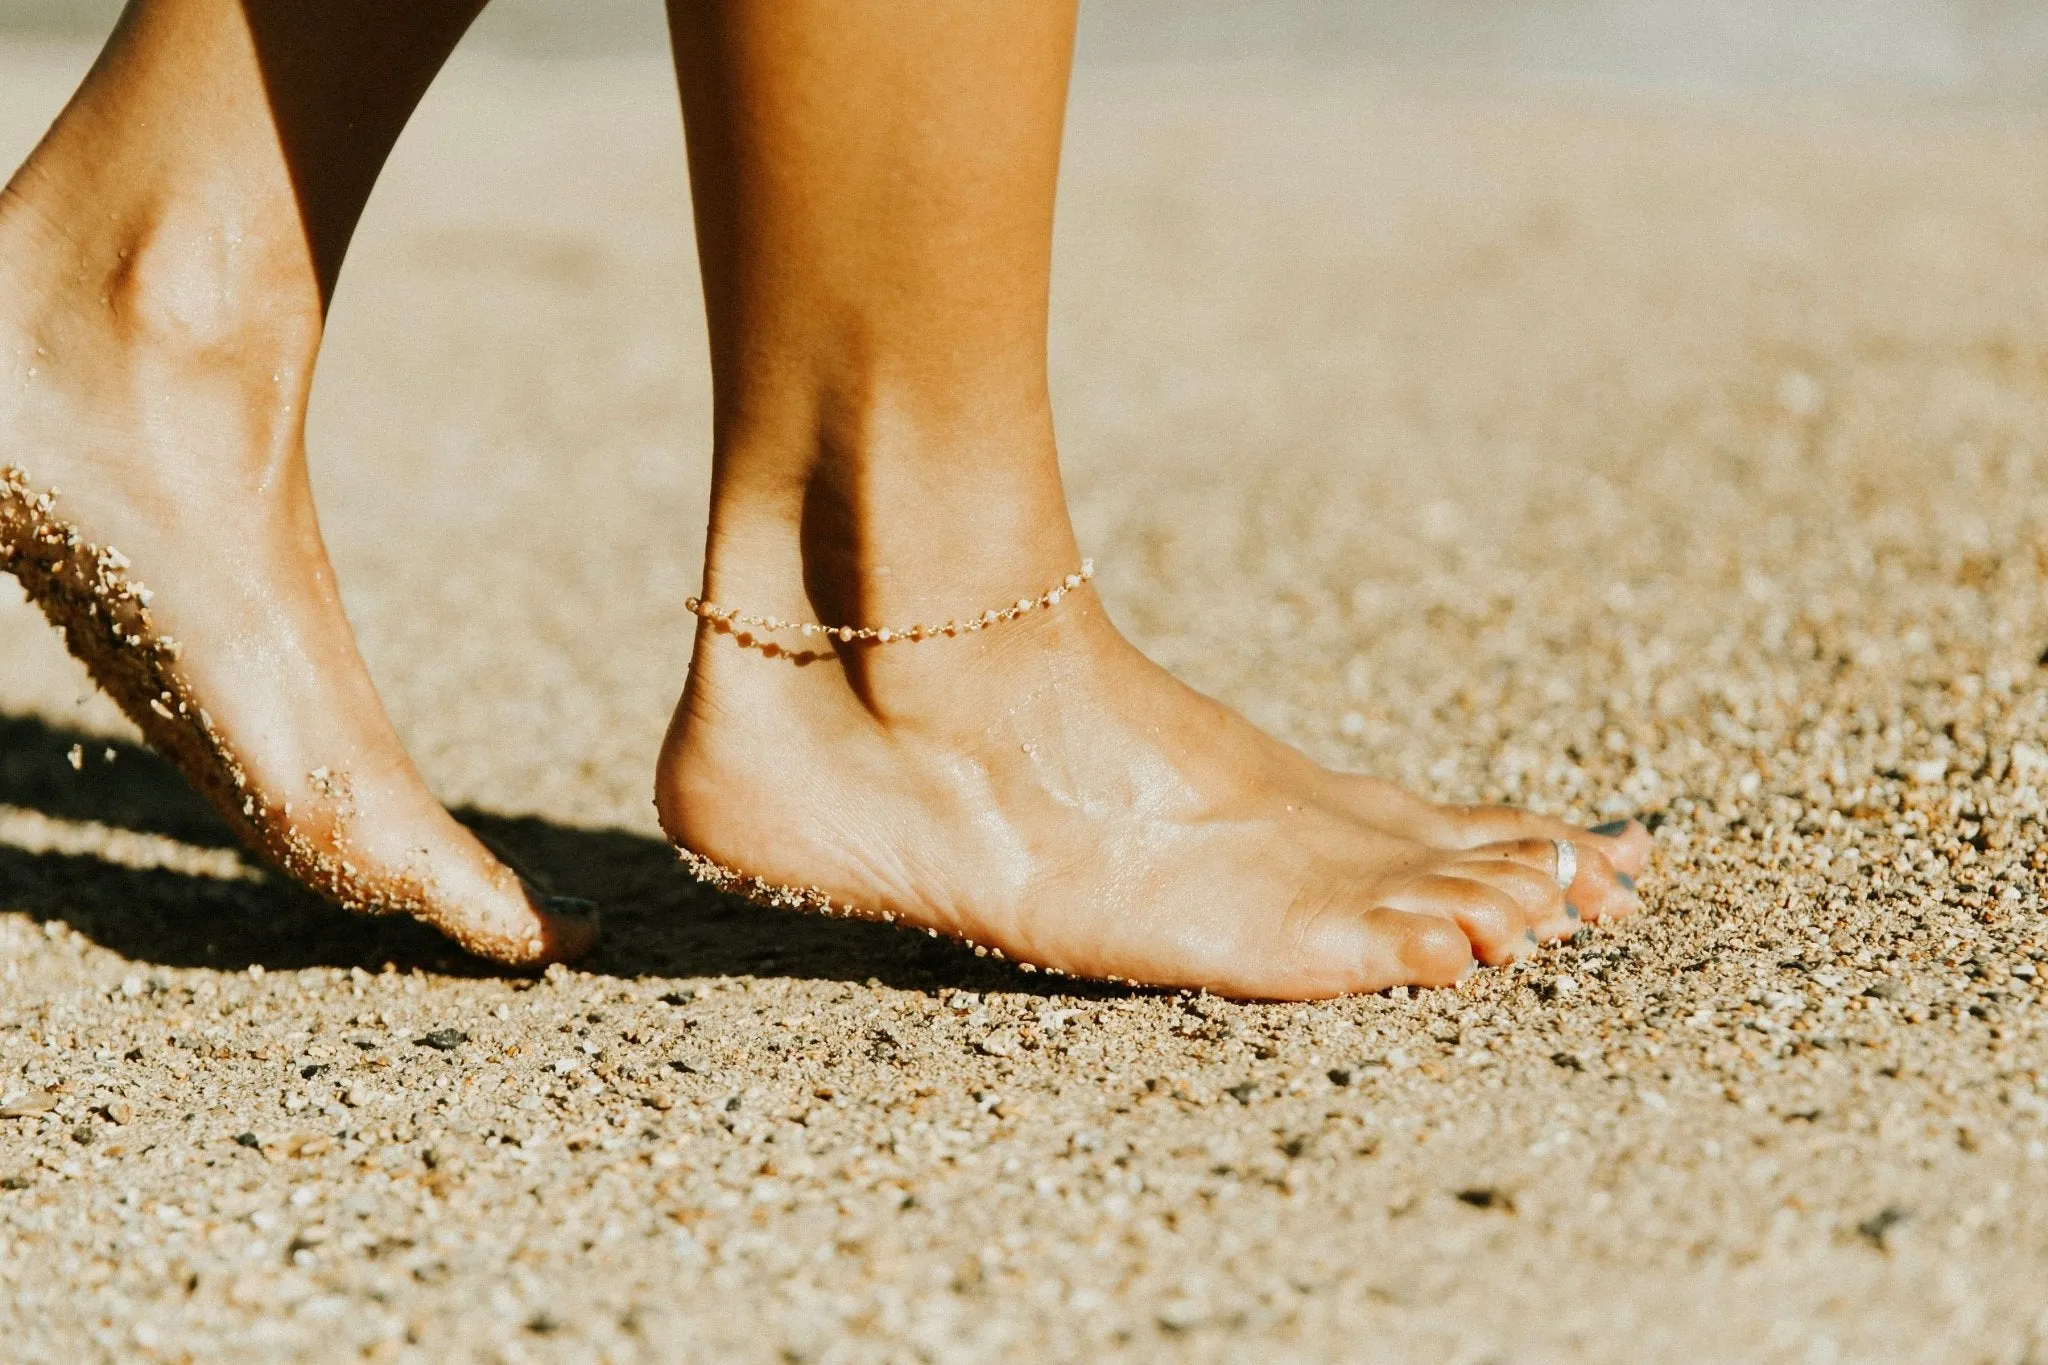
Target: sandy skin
162	297
311	829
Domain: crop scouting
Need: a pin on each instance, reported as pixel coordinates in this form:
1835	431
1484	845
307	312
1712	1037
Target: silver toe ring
1567	862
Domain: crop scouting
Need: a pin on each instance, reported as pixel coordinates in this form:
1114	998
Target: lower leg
166	256
203	183
874	186
874	189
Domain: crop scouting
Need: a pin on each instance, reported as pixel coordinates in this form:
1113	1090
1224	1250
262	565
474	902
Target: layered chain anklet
889	635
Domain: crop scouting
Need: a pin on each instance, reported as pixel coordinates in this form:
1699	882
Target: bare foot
876	289
155	505
1043	790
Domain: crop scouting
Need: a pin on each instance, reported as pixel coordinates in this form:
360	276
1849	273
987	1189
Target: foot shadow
658	923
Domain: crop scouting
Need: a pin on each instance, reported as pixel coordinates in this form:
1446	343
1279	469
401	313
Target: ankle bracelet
886	635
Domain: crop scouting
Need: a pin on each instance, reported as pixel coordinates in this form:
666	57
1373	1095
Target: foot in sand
876	291
153	379
1043	790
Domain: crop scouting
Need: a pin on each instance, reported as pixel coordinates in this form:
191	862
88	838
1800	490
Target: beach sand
1602	451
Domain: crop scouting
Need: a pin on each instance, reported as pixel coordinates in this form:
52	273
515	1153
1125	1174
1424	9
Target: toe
1601	891
522	928
1491	919
1384	948
1597	892
1624	844
493	908
568	928
1525	870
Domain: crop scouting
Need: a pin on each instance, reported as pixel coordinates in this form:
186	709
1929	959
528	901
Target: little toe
1492	920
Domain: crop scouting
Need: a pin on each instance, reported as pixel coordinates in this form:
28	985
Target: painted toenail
1628	883
569	907
1571	911
1610	829
1530	934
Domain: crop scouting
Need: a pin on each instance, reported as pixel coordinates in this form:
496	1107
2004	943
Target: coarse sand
1600	452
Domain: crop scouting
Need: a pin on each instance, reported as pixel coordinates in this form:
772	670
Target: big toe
419	861
552	929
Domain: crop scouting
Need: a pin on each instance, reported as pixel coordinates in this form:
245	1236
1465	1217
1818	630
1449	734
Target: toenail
1628	883
1530	934
569	907
1571	911
1610	829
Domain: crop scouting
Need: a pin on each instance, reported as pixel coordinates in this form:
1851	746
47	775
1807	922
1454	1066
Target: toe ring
1567	862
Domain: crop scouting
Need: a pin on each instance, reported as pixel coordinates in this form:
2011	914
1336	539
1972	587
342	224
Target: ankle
885	516
201	276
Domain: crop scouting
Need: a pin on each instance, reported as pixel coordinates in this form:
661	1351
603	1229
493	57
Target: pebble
31	1105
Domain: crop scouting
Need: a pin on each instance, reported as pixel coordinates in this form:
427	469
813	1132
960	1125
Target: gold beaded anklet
762	892
888	635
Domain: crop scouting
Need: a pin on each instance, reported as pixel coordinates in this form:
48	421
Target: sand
1602	452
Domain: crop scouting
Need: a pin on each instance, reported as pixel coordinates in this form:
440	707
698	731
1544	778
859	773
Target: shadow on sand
658	923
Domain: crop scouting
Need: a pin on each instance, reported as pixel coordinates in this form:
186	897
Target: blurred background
1729	46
